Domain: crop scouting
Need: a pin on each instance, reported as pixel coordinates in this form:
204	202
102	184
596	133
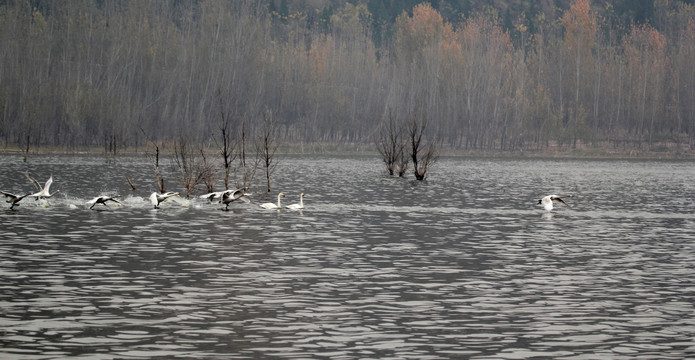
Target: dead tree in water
130	182
209	179
422	152
159	179
392	147
26	151
110	147
190	167
266	145
227	146
246	174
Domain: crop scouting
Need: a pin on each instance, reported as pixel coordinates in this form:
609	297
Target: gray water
464	265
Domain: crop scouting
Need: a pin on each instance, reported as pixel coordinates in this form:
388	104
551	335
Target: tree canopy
503	75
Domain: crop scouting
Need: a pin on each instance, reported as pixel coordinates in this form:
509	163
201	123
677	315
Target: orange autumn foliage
424	29
580	26
645	45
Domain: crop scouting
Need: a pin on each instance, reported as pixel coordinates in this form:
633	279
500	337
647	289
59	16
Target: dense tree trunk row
81	74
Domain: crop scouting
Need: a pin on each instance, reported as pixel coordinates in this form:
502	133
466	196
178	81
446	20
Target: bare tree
159	179
247	170
423	153
130	182
26	151
266	145
209	179
227	146
392	147
193	170
183	158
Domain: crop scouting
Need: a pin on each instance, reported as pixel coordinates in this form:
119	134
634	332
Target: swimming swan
13	199
271	206
298	206
102	200
156	198
547	201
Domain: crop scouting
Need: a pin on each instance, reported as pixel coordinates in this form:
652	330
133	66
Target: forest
484	75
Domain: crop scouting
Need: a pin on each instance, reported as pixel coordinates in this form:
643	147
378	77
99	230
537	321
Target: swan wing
239	194
170	194
48	184
33	181
558	199
236	194
9	195
233	195
153	199
208	196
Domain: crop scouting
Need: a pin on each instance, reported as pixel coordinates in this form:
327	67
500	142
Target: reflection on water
464	265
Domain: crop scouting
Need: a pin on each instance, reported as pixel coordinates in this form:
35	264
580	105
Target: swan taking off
102	200
298	206
13	199
44	193
156	198
232	195
271	206
547	201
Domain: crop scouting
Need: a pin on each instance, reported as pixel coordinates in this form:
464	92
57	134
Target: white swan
547	201
298	206
44	193
157	198
13	199
102	200
271	206
232	195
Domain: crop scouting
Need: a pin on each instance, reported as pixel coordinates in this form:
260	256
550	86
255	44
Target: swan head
281	195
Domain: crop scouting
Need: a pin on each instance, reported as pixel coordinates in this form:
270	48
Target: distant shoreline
586	152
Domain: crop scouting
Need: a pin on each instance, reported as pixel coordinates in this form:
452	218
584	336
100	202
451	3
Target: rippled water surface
464	265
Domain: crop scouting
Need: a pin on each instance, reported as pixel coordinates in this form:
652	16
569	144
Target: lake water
463	265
